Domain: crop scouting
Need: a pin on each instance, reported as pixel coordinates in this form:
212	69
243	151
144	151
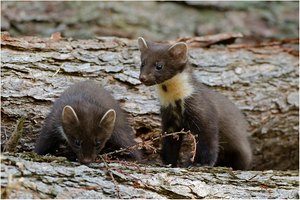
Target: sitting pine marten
188	104
89	119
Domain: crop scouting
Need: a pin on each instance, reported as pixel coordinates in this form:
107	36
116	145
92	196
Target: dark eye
97	144
158	66
77	143
142	65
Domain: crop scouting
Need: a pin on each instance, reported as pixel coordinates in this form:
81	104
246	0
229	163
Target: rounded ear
69	116
108	120
179	51
142	44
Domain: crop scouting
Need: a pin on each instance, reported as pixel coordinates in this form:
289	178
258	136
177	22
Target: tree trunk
261	79
53	177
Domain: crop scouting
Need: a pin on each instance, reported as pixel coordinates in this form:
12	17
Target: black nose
143	78
86	161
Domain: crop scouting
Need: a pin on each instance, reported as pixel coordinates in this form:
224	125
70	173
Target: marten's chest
173	92
173	116
173	95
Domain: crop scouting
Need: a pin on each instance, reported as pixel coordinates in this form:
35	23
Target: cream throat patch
178	87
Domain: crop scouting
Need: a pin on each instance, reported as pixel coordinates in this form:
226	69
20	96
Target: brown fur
188	104
89	119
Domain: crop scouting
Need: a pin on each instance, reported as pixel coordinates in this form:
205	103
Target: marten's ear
179	51
69	116
142	44
108	120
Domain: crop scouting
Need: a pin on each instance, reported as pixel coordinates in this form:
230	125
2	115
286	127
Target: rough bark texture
23	178
258	20
262	80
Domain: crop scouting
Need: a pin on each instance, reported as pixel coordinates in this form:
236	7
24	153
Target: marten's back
208	104
89	99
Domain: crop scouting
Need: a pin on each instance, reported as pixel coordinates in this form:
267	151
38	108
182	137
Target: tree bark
54	177
261	79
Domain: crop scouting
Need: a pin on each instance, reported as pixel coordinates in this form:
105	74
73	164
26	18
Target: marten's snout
86	161
143	78
147	79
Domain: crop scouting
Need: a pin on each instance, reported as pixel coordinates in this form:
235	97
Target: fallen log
261	80
54	177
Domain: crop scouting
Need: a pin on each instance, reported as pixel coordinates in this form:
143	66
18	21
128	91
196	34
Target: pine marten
187	104
89	119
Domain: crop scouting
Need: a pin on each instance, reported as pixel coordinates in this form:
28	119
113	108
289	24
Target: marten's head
85	134
161	62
